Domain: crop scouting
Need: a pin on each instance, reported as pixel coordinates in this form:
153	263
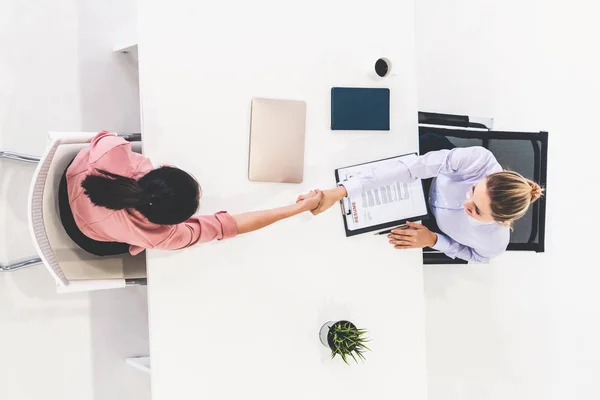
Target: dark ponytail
113	191
165	195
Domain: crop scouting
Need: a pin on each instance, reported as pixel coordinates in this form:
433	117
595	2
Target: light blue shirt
455	172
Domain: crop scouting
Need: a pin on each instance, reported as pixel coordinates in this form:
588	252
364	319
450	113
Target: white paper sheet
393	202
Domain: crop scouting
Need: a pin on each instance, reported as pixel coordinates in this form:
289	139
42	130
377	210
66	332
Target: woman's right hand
311	200
328	199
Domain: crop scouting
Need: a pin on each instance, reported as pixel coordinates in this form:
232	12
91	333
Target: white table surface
240	318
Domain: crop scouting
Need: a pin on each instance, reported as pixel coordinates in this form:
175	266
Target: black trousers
432	142
90	245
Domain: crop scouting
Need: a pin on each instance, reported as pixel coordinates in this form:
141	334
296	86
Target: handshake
415	237
318	201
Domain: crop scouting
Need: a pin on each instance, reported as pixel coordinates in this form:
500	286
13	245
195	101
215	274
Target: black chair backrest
525	153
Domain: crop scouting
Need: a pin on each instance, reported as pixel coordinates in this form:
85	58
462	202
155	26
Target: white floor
58	72
70	347
524	327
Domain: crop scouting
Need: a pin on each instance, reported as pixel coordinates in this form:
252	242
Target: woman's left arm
420	236
454	249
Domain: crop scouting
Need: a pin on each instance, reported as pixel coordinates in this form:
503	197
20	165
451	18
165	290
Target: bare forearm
339	192
252	221
330	197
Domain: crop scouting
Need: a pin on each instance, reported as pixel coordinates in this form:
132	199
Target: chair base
14	266
19	157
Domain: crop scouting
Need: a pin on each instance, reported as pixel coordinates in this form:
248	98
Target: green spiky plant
346	340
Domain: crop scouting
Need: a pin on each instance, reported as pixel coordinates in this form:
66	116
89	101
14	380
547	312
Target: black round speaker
382	67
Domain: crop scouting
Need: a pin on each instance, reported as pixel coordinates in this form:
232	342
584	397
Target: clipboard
346	207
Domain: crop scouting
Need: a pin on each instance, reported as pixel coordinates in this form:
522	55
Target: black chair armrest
431	257
448	120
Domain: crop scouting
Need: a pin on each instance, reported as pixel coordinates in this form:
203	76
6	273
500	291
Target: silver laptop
277	131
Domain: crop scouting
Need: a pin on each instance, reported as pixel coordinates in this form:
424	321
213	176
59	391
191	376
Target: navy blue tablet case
360	109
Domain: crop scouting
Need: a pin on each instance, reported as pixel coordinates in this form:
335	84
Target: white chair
73	269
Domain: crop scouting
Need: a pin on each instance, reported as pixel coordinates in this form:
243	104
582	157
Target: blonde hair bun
511	194
536	191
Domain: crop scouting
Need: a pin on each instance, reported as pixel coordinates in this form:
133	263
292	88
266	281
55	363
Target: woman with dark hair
112	201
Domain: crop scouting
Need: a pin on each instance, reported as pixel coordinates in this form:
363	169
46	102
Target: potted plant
344	339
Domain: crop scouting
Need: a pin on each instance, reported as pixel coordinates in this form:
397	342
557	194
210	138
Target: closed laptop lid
277	130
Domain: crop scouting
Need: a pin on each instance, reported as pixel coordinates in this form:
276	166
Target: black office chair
523	152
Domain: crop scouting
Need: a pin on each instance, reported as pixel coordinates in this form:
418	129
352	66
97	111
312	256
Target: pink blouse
114	154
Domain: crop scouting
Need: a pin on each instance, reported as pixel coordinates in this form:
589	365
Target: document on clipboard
384	207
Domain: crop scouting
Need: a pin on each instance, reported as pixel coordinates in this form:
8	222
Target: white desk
240	318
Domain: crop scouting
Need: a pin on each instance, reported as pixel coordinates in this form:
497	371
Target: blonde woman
473	200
